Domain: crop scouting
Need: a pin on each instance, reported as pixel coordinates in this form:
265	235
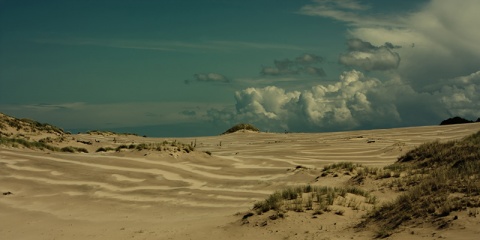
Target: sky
177	68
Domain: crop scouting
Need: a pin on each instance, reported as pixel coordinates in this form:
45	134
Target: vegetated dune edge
181	193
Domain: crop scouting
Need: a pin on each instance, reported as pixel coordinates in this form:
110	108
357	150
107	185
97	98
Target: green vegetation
242	126
16	142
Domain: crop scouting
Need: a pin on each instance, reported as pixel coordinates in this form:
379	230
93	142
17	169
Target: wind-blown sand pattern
166	195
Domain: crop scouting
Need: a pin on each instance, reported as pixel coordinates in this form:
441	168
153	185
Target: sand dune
165	195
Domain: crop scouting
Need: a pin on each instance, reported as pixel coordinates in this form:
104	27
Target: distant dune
456	120
105	185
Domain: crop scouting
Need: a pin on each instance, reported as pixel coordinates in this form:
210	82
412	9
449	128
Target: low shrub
68	149
105	149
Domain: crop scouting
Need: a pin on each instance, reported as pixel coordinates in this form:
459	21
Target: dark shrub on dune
242	126
455	120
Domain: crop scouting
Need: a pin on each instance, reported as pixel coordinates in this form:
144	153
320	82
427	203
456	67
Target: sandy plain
176	195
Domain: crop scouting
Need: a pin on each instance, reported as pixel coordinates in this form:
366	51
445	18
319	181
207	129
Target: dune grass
174	146
166	145
436	179
317	198
28	125
71	149
450	181
16	142
341	165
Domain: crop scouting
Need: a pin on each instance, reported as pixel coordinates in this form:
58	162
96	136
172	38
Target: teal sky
179	68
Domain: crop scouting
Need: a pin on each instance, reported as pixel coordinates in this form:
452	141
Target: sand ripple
244	167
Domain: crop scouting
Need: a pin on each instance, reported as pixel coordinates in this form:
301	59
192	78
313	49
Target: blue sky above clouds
180	68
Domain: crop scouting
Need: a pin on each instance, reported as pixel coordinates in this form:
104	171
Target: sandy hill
343	185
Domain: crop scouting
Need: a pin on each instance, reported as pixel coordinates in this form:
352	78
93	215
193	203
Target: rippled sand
164	195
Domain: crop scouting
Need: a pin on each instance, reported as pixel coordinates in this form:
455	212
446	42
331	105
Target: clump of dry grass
174	146
71	149
360	172
17	142
445	177
341	166
105	149
316	198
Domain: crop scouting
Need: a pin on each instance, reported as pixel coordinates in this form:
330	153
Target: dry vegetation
25	129
17	142
439	178
27	125
172	146
28	134
434	181
316	198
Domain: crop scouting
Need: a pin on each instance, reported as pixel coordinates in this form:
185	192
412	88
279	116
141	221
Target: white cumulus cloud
356	101
429	63
344	104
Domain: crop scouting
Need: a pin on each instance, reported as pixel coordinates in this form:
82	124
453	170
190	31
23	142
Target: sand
177	195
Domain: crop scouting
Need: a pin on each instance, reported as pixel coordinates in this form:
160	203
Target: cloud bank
426	65
439	40
354	102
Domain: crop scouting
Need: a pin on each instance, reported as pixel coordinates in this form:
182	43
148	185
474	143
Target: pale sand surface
162	195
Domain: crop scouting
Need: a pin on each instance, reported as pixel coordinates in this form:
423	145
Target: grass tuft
438	172
41	145
307	197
